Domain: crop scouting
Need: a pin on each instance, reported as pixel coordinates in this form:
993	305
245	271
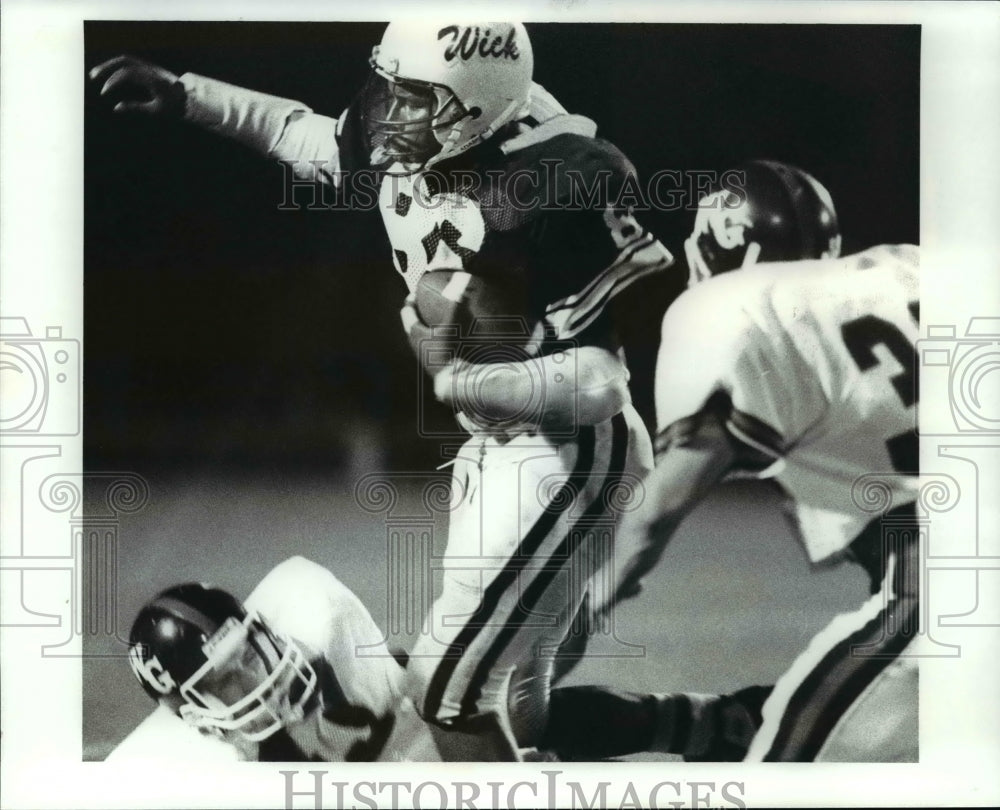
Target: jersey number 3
861	336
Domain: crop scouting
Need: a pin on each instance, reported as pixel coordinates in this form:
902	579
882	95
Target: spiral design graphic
872	493
438	495
556	492
969	383
127	493
374	493
58	494
625	495
939	494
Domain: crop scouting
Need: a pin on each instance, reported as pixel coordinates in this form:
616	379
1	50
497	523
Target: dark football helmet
196	649
766	211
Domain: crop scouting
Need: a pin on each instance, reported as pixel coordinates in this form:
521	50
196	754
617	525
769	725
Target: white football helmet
438	90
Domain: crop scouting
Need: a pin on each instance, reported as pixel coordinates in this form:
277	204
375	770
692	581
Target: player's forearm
684	474
641	538
277	127
581	386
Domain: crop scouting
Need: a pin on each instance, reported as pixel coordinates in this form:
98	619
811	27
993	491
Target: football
460	305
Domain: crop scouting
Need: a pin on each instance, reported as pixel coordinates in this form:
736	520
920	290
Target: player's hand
625	590
630	577
416	330
139	86
629	589
420	335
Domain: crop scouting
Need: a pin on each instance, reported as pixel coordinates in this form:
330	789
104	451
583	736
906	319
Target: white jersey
362	715
814	362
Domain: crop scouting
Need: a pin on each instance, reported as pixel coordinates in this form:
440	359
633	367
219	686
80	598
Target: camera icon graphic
40	380
967	368
489	349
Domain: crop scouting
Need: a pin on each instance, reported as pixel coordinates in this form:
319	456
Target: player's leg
594	613
536	635
541	652
470	564
485	528
857	675
882	724
523	607
593	722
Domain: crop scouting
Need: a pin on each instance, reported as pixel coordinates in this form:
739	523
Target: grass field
731	604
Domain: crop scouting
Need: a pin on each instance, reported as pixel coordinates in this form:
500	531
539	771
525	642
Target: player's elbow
602	385
598	404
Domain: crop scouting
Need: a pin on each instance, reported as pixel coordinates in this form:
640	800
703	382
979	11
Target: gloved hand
139	86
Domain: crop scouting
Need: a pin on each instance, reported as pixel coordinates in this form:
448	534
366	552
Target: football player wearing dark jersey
479	170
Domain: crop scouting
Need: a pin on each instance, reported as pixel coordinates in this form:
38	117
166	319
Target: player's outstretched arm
279	128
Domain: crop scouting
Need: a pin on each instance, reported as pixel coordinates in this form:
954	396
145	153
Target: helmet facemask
782	214
409	122
718	242
253	682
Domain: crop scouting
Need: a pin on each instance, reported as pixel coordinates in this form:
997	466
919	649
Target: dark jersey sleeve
561	225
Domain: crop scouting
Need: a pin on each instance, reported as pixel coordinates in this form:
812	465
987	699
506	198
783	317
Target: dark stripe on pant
525	551
853	687
833	692
555	563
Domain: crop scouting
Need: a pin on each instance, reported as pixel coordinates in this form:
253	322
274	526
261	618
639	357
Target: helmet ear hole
475	112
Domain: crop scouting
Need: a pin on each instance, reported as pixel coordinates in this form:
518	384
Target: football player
298	672
807	376
480	171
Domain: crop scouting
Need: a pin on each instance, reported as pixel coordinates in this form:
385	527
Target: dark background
249	364
222	331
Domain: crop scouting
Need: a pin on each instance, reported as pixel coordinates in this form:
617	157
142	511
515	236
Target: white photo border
42	90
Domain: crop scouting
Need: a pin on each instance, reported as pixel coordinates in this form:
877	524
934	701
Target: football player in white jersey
808	376
803	372
299	671
463	141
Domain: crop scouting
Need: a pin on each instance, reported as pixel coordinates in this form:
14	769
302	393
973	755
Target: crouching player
299	671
